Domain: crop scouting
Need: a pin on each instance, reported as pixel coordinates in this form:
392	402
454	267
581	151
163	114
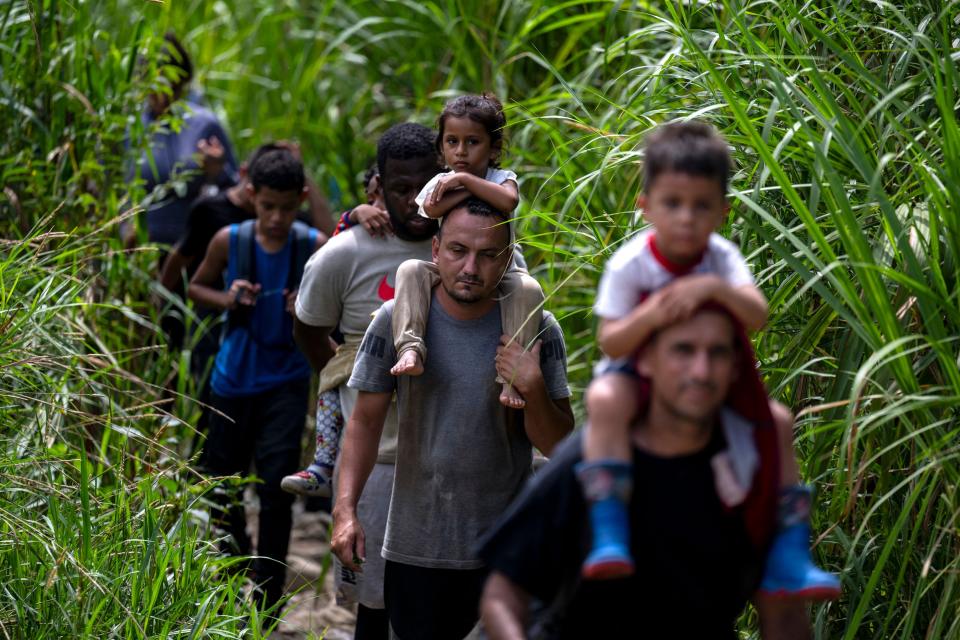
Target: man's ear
250	190
435	247
641	201
304	194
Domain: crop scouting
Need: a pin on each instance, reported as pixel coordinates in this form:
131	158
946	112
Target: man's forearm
314	343
358	455
173	268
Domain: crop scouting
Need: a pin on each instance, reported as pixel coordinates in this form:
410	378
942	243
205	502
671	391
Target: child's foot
791	573
409	364
606	486
510	398
306	483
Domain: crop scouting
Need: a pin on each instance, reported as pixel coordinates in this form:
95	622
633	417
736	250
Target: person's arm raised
546	421
358	455
503	608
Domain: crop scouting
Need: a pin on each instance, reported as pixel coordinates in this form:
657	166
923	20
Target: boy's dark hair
404	141
277	169
691	147
259	151
484	109
174	55
477	207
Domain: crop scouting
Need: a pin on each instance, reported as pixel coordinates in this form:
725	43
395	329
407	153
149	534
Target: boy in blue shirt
260	379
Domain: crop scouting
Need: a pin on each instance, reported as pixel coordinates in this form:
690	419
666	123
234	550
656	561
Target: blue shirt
170	153
260	355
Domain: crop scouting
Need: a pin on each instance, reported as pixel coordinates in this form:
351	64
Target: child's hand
679	299
242	293
447	183
375	220
291	300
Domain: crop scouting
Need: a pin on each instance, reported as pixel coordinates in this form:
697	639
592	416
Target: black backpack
246	268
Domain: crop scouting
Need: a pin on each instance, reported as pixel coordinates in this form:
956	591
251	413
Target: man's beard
680	412
404	232
466	298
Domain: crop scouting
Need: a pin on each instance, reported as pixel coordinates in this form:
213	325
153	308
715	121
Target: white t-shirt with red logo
345	282
638	269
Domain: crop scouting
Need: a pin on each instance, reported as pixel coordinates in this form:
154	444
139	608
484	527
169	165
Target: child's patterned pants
329	428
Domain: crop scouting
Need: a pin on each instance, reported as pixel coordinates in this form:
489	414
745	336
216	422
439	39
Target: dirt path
312	611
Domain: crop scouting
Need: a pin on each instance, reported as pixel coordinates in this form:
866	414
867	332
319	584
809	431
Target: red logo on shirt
385	291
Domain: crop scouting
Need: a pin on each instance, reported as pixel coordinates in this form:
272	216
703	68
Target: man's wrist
343	510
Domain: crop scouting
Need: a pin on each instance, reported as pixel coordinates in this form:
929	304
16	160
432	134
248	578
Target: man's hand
519	367
348	542
375	220
211	157
243	293
291	301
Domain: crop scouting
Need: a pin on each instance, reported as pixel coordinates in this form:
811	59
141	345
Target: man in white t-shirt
344	284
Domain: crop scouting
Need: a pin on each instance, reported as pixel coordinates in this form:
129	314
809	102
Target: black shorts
432	604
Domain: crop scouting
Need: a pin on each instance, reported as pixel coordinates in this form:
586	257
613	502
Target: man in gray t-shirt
461	456
343	284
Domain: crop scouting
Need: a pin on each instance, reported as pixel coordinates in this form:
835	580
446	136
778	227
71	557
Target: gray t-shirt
346	281
461	457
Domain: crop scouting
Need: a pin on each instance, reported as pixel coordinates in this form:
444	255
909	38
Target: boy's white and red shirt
638	269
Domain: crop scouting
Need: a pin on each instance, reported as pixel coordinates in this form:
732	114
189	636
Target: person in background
261	381
343	284
179	160
314	480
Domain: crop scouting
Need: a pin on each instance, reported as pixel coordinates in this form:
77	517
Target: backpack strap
246	267
300	252
246	250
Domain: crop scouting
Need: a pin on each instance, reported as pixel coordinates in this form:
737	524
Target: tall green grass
843	121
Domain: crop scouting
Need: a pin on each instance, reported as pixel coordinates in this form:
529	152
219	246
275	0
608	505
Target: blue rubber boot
607	485
790	572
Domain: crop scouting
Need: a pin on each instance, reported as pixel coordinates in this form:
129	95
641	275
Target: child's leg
521	310
414	287
606	473
317	479
790	571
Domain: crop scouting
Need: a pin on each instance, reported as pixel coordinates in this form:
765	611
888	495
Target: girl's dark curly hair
484	109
